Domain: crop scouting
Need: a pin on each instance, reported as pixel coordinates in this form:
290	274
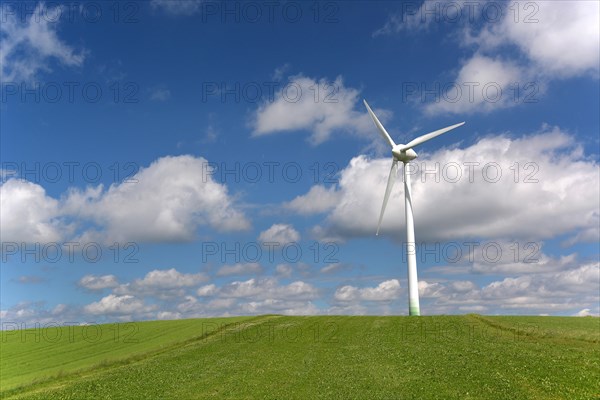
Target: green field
279	357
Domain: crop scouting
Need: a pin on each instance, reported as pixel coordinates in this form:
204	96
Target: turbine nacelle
403	155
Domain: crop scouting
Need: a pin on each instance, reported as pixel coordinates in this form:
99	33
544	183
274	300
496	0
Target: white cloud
562	42
278	306
283	270
28	214
492	257
29	279
167	201
586	312
545	292
162	284
219	304
113	305
318	200
279	233
95	282
559	38
572	290
30	313
412	18
189	305
540	41
279	71
516	258
590	235
427	289
462	286
171	278
240	269
532	289
551	195
168	315
254	296
299	105
268	288
483	84
28	47
347	293
178	7
330	268
385	291
207	290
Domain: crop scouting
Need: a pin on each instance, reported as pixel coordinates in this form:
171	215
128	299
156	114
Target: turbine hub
405	155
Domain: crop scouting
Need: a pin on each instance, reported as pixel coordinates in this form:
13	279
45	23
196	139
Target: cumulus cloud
162	283
427	289
279	233
385	291
544	292
512	258
574	289
562	39
167	202
586	312
113	305
266	288
283	270
240	269
483	199
95	282
30	313
590	235
168	315
164	202
284	307
219	304
562	42
318	200
28	214
207	290
483	84
30	46
540	42
299	105
253	296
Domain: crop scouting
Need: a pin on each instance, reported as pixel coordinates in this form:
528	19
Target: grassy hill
445	357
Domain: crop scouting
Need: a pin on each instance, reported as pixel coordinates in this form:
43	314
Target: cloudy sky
169	159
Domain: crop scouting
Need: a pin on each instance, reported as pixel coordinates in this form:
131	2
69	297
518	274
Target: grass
446	357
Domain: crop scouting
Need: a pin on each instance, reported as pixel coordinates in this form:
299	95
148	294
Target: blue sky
202	146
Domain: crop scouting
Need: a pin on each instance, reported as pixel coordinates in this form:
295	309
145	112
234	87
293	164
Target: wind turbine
405	153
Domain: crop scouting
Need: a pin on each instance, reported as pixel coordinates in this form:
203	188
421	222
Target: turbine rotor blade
379	126
428	136
388	190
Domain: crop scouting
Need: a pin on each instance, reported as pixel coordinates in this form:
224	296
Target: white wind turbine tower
405	153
